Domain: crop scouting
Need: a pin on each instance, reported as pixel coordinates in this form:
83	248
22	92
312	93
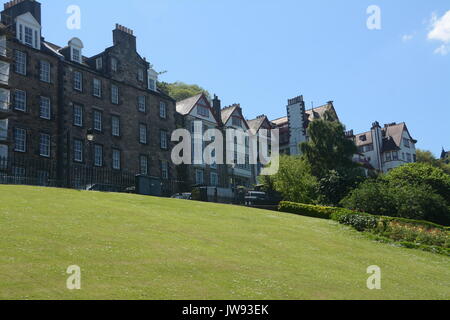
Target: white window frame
114	94
78	116
45	71
97	88
163	140
115	126
143	132
20	140
78	152
116	159
44	145
75	54
162	110
45	108
78	81
143	165
140	75
114	64
97	120
22	101
99	63
164	170
21	62
28	36
98	155
142	103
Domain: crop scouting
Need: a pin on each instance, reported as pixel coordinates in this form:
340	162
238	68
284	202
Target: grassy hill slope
134	247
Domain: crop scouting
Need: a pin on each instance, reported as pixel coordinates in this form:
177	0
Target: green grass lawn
134	247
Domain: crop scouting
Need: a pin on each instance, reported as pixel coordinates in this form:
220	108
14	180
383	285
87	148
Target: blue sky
260	53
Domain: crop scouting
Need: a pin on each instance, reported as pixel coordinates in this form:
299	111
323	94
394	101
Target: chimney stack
15	8
123	36
217	107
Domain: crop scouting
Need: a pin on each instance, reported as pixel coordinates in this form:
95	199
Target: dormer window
76	56
28	30
236	121
99	63
76	46
114	64
152	76
140	75
203	111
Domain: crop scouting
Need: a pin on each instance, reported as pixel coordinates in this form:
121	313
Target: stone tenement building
59	98
385	148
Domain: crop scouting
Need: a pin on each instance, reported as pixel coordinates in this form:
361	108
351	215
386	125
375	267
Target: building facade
293	128
385	148
198	111
102	112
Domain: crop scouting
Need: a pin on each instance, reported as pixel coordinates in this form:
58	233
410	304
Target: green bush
421	174
412	233
410	201
419	233
313	211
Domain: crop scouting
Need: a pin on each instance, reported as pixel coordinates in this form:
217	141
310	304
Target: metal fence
25	170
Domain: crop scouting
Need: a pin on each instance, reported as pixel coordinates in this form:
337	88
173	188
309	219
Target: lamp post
90	137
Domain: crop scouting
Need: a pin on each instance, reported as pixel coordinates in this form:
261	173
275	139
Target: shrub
411	201
373	197
294	181
421	174
313	211
414	232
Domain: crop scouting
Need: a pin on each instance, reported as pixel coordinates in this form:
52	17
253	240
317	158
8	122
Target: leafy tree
294	180
328	148
421	174
428	157
336	184
180	90
372	196
414	191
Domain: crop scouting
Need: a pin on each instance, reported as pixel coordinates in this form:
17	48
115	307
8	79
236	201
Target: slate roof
185	106
256	124
392	137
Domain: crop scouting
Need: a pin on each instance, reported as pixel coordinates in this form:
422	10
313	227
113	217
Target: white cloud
440	27
443	50
407	37
440	31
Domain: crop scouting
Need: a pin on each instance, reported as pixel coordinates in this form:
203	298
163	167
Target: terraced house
78	112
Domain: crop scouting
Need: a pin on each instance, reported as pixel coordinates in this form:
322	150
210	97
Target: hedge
312	211
417	234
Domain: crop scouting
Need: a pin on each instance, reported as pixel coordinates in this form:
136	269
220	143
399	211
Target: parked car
182	196
103	188
256	198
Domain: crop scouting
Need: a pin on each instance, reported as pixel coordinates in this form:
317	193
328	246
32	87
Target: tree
421	174
294	181
415	191
428	157
180	90
336	184
372	196
328	148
